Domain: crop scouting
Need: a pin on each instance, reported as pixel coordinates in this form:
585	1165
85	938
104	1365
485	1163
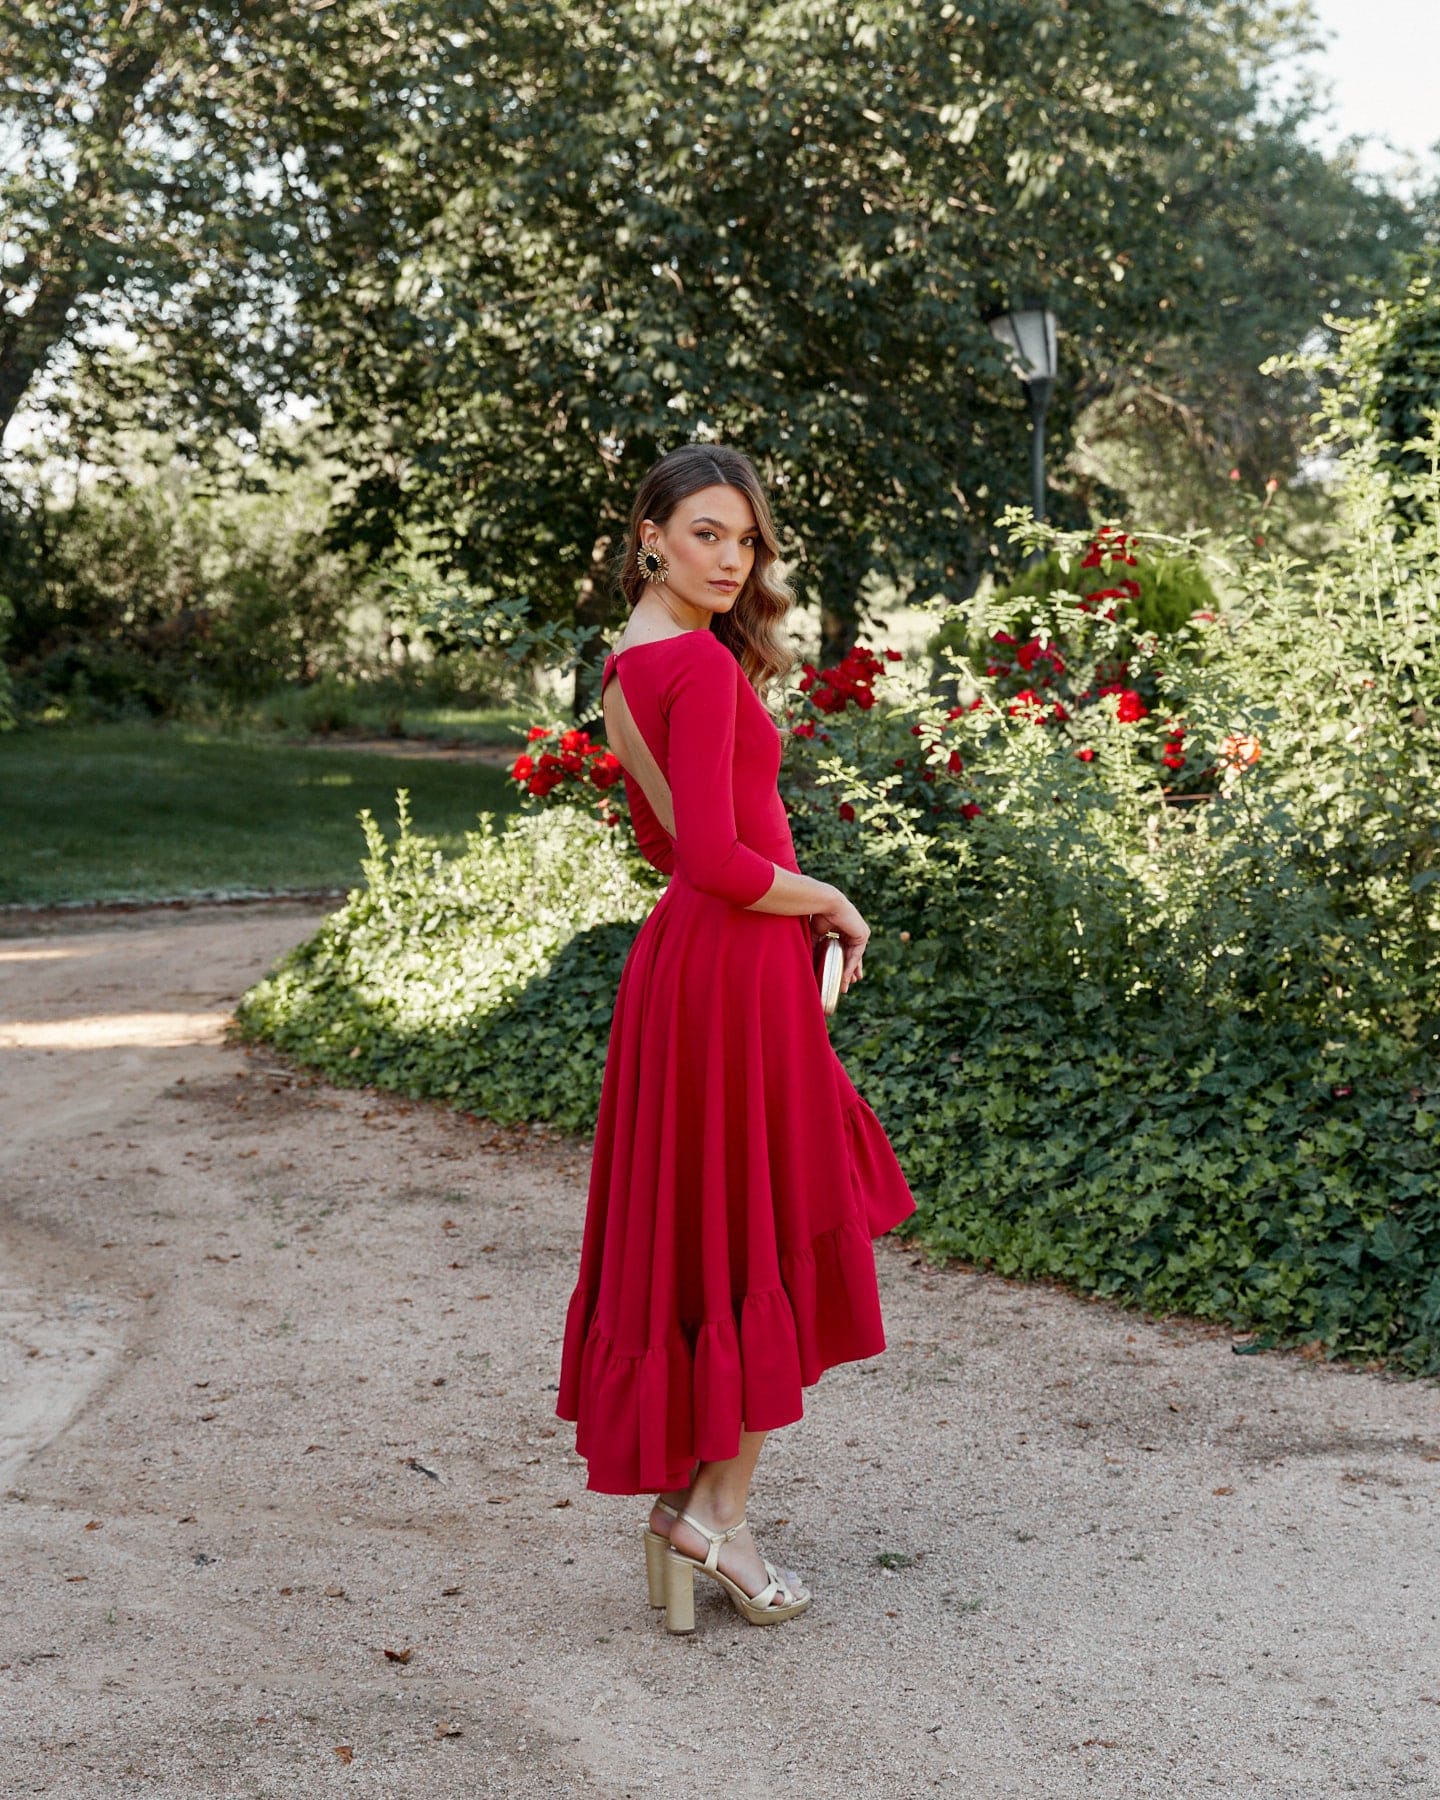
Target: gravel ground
286	1511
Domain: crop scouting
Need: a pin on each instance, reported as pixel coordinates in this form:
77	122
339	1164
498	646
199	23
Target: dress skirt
736	1183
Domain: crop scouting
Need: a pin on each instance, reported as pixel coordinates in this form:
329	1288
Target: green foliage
1392	359
154	590
783	224
1187	1056
511	252
486	979
7	698
149	592
1173	587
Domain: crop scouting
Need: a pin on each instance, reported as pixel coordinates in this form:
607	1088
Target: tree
156	195
511	253
783	224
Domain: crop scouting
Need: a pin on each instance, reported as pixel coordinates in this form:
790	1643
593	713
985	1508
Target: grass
111	812
337	708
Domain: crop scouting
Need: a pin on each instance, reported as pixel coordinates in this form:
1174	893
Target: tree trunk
30	337
592	609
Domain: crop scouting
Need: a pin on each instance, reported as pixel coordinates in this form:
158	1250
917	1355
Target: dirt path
275	1393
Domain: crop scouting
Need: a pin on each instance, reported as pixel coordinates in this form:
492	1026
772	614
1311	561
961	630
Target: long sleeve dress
737	1177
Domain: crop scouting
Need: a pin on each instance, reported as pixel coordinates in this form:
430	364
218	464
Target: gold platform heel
755	1609
655	1548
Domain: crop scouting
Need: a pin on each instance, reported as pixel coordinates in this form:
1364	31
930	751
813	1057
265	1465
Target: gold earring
652	564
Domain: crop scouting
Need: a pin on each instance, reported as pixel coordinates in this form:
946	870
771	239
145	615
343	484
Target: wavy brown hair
752	626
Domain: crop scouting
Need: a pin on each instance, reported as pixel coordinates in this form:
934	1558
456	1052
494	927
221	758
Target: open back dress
737	1177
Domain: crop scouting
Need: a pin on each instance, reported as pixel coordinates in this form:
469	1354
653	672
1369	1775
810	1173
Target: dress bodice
719	751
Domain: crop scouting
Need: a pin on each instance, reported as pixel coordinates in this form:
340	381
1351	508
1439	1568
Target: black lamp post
1029	334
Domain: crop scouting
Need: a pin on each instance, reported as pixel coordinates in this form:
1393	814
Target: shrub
485	979
1174	1044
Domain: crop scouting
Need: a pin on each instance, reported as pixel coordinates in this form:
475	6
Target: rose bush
1151	994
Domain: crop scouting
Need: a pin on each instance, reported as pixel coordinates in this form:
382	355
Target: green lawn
119	811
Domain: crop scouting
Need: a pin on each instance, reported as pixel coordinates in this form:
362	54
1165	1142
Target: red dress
737	1177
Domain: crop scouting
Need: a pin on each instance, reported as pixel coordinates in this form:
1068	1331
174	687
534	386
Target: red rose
1131	707
1086	755
847	811
522	768
969	810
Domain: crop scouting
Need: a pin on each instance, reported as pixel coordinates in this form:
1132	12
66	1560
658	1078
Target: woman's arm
708	851
796	894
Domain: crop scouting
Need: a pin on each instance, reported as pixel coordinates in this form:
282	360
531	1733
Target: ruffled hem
880	1184
645	1417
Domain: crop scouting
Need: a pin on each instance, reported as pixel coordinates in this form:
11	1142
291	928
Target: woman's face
709	542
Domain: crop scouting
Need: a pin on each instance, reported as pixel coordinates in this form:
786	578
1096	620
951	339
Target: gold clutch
832	967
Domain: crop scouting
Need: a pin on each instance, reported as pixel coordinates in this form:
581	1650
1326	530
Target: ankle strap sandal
776	1601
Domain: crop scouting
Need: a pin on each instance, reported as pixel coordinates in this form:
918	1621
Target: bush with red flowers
563	762
1105	619
834	721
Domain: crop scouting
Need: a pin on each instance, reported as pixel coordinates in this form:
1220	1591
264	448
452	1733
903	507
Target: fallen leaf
445	1729
95	1525
564	1502
334	1593
345	1752
400	1656
1224	1490
449	1591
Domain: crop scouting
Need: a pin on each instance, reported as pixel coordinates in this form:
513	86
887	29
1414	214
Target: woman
737	1177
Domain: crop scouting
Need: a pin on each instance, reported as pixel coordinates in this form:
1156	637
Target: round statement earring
652	564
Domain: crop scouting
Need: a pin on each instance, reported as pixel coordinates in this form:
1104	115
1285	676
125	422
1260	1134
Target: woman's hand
845	918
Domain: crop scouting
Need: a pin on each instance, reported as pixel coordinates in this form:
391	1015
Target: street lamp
1029	335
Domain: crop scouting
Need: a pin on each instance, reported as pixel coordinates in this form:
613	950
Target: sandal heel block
679	1593
655	1547
775	1602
